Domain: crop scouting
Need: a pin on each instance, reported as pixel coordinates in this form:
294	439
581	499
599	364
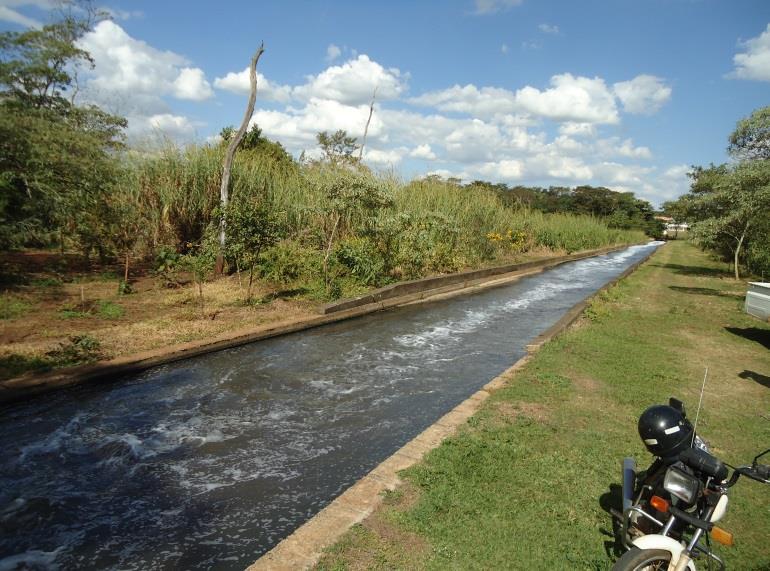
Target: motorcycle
669	510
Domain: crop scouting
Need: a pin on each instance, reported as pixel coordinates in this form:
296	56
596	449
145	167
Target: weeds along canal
209	462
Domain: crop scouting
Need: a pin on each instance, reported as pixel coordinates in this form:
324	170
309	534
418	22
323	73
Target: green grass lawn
526	484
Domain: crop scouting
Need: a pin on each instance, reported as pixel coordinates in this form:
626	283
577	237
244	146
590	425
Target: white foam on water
56	441
446	331
32	559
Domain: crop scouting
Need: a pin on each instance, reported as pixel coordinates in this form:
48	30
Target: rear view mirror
678	405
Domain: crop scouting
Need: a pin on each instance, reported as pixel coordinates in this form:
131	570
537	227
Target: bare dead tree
366	129
228	162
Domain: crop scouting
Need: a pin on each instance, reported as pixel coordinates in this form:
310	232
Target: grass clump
12	307
110	310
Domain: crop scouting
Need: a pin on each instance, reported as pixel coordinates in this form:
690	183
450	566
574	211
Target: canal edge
305	546
30	385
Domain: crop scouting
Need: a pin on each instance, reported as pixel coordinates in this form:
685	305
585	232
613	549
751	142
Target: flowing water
209	462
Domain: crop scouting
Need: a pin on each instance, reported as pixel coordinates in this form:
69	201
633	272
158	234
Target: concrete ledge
459	280
361	499
405	293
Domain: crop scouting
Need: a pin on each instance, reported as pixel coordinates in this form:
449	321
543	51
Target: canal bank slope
527	478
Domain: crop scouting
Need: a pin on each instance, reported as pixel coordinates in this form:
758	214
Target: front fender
655	541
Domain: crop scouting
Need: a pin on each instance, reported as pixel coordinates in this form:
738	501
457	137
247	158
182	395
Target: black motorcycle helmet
665	431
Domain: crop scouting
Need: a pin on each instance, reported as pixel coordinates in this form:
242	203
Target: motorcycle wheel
643	560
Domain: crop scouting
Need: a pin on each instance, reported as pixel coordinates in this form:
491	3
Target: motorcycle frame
660	540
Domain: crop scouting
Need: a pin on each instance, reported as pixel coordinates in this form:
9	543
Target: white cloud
506	169
577	129
354	82
384	158
754	63
9	15
627	149
163	125
131	78
239	83
473	141
576	99
191	84
297	128
423	152
643	94
549	29
332	52
504	48
570	99
492	6
351	83
470	99
126	65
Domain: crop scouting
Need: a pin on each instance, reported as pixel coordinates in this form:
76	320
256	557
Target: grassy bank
526	484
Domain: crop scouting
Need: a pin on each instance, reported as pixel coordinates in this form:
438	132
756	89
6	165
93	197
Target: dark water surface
209	462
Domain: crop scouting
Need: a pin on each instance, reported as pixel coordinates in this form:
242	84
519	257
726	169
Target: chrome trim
627	518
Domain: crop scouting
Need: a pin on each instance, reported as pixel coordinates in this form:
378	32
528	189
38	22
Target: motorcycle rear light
720	535
659	504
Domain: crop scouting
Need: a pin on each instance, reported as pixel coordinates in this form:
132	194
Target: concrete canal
209	462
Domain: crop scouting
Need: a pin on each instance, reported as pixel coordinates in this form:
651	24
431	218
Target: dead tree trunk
366	129
228	163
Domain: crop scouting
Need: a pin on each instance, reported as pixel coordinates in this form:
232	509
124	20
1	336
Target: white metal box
758	300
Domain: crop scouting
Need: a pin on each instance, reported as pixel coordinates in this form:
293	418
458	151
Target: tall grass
411	229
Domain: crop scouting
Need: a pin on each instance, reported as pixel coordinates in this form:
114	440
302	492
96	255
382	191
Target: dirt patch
532	410
586	384
54	298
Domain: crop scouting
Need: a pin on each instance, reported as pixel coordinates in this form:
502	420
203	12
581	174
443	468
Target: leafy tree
252	228
751	138
55	157
337	148
349	196
737	202
200	260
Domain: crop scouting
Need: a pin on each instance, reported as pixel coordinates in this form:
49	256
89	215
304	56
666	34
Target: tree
56	158
252	228
349	195
337	148
224	191
737	202
751	138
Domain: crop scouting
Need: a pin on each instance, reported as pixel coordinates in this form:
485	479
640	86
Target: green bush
167	264
361	260
288	261
78	349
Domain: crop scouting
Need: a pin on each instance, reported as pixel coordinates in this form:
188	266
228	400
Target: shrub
77	350
166	265
361	260
289	261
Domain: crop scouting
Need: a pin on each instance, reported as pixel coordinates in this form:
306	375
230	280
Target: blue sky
622	93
